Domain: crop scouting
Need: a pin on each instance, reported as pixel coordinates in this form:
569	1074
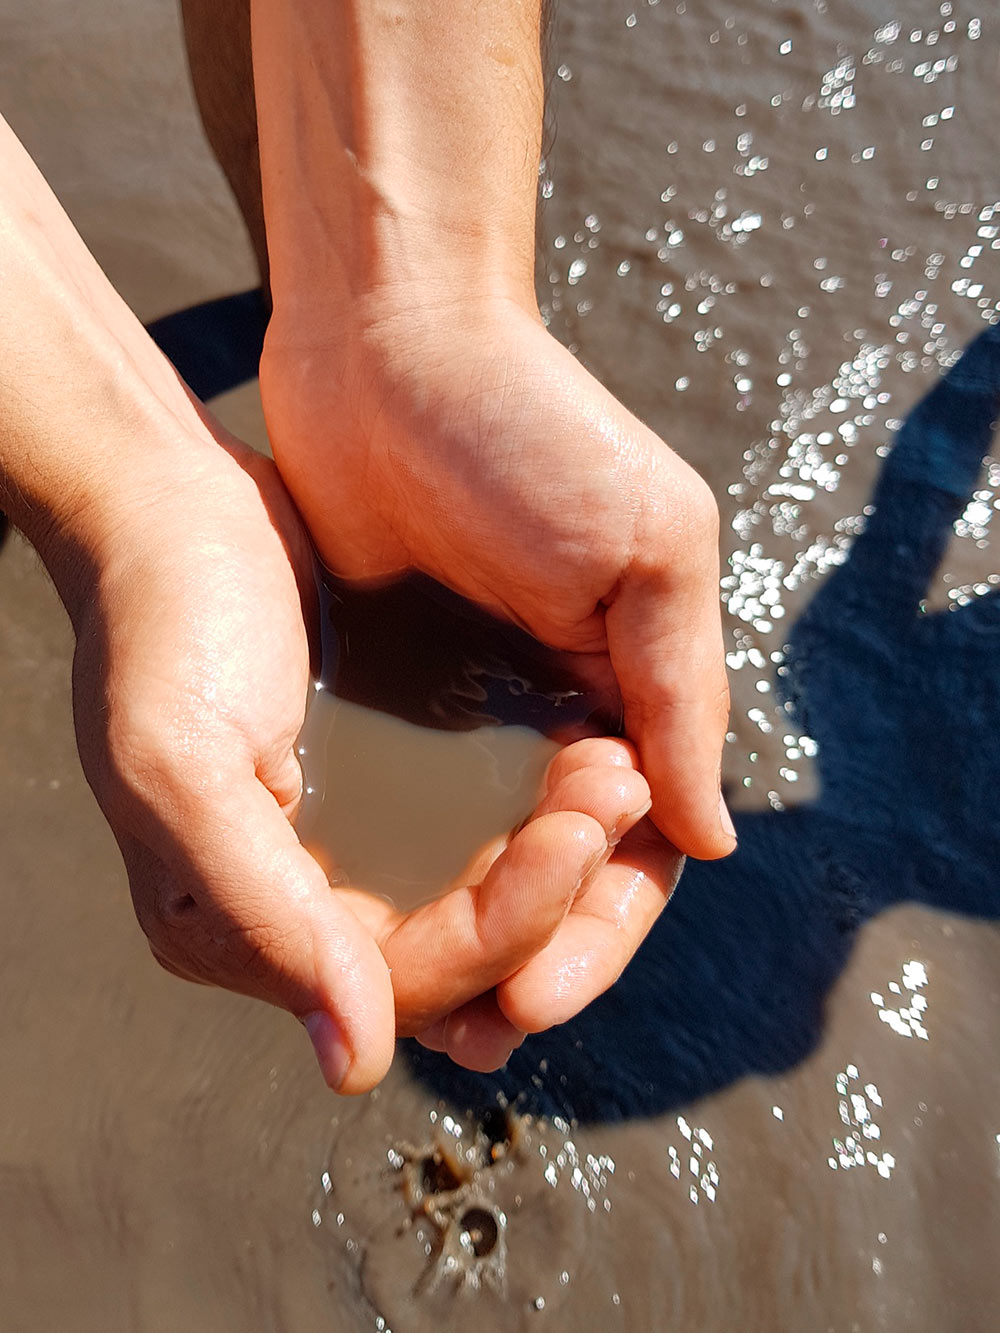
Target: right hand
607	919
462	440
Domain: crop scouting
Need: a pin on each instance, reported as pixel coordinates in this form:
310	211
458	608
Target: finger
665	643
616	796
592	947
607	789
595	777
449	951
594	751
227	895
432	1038
478	1035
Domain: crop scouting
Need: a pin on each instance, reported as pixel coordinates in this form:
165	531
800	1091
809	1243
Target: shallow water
400	813
768	231
427	735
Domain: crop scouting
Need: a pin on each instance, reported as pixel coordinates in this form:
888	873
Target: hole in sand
437	1176
480	1231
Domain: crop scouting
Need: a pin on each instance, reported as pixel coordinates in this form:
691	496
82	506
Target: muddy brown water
767	229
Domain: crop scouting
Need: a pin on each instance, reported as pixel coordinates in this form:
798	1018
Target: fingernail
627	822
726	818
595	862
328	1043
432	1038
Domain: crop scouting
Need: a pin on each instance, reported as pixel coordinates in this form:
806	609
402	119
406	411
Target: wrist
392	363
453	287
88	405
101	436
389	336
93	530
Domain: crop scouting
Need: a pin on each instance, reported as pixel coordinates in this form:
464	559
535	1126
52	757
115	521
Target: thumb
665	644
227	896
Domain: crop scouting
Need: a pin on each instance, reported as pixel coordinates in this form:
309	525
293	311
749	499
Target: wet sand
168	1156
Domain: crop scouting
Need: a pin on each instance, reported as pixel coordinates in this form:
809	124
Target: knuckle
137	763
701	510
680	532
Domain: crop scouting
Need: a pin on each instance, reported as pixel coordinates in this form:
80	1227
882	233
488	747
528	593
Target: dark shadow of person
904	706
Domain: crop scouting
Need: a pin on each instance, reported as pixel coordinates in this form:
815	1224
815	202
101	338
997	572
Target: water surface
769	230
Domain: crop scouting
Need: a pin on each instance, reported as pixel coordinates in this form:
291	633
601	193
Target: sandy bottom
768	232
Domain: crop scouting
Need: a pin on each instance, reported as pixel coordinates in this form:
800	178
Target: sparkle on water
815	425
782	538
905	1010
860	1145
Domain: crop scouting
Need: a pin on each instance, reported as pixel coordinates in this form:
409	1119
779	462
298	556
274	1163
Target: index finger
455	948
604	928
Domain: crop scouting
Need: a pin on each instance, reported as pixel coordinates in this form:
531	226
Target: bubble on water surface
858	1142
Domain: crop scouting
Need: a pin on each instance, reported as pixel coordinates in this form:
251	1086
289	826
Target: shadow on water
903	705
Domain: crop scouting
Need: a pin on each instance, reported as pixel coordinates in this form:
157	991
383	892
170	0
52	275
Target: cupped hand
190	681
466	442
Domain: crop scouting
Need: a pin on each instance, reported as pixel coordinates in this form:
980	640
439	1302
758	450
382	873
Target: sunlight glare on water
769	234
839	171
768	229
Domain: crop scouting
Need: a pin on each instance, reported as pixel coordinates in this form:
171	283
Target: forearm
399	148
82	388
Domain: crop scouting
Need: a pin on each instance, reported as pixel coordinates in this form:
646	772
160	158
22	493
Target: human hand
606	921
548	915
183	565
468	443
190	678
190	682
